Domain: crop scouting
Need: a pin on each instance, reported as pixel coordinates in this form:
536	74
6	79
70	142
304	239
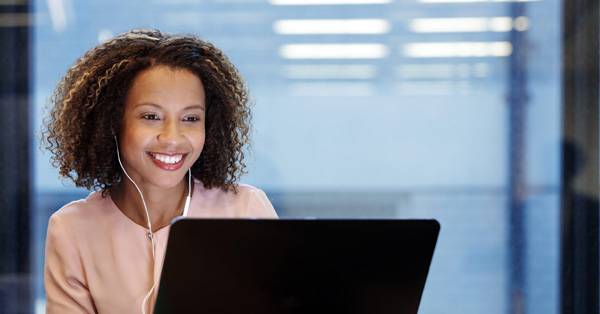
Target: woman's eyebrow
201	107
194	107
147	104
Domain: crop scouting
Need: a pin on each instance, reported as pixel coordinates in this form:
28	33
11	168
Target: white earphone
186	208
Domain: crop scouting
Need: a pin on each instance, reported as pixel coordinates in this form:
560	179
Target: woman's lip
167	154
165	166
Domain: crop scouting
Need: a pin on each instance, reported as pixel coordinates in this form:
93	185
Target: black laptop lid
296	266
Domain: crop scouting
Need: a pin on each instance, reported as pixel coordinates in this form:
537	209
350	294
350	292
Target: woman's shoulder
82	211
244	188
244	201
239	191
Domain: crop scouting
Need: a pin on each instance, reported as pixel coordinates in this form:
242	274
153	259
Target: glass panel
395	109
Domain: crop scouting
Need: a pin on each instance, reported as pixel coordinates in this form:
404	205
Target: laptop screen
296	266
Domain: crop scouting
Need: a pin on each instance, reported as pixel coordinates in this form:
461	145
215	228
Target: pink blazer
100	261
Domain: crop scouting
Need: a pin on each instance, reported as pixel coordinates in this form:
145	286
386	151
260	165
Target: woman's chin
169	182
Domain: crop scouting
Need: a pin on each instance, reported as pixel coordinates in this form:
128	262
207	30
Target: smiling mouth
167	161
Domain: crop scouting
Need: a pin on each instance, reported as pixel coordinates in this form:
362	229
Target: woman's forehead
166	87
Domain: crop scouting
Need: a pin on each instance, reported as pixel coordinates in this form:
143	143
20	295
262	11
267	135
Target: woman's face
163	126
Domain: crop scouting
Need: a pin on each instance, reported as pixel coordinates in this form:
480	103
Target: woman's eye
150	116
191	119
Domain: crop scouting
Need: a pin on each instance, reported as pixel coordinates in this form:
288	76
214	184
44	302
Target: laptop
268	266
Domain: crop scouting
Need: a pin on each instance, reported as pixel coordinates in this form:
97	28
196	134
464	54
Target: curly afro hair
88	108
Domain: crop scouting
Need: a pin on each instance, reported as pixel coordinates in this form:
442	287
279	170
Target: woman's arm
63	273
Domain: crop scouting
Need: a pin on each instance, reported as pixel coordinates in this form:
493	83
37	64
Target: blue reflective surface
398	135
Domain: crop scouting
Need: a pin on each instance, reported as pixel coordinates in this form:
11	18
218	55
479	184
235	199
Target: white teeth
168	159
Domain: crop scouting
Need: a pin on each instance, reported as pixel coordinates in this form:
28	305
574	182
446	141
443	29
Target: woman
156	124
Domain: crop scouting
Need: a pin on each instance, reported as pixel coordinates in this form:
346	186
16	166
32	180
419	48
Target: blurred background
482	114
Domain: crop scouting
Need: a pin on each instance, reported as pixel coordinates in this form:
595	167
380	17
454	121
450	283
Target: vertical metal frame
517	117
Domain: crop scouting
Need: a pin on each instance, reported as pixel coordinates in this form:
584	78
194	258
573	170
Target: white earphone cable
188	198
150	232
141	195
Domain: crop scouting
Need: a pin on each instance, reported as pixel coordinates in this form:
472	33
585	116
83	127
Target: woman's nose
170	131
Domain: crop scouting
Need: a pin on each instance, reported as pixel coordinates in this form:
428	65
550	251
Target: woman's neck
163	204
